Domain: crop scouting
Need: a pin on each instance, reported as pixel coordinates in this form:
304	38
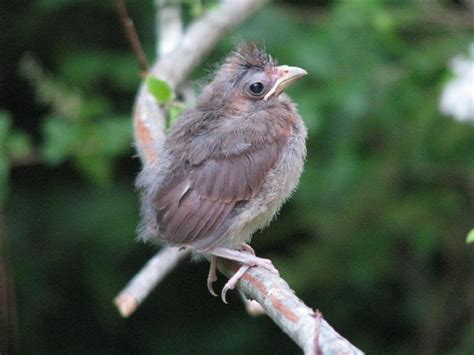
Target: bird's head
249	77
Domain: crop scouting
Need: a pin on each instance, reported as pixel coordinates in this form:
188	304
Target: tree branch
303	325
146	280
132	36
169	26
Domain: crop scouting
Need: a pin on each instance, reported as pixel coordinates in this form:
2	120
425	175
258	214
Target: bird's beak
285	76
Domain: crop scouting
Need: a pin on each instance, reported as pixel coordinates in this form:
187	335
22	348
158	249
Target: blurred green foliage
375	236
14	145
470	237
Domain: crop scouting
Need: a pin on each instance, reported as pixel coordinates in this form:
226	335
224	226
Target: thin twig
132	37
169	26
145	281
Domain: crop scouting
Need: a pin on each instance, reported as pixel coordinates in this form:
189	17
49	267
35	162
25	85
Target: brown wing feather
191	209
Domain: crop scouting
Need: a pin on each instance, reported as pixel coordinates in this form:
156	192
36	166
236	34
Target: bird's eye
256	88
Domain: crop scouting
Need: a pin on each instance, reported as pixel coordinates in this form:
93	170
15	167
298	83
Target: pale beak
286	75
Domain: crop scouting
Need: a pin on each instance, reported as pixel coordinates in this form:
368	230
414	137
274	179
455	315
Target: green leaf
173	114
159	89
470	237
197	8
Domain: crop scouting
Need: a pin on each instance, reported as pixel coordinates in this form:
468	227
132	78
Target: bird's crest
250	56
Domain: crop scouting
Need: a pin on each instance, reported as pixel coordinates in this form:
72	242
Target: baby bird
228	163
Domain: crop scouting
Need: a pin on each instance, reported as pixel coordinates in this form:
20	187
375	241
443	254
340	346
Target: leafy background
374	237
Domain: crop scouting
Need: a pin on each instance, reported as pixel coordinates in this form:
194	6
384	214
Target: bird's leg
243	257
212	277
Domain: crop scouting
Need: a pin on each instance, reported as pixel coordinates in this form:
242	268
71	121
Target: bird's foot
245	256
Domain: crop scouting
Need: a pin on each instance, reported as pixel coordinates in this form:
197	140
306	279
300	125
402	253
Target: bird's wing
193	208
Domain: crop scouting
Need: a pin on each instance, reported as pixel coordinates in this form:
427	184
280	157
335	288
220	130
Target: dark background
374	236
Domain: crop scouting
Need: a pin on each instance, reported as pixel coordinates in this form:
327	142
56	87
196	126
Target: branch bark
132	36
146	280
169	26
306	327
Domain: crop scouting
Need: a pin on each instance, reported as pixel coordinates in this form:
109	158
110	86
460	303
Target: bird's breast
279	184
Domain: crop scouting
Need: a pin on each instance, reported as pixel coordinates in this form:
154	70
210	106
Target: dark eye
256	88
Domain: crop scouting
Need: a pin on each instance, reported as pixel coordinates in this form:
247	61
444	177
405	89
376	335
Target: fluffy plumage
228	163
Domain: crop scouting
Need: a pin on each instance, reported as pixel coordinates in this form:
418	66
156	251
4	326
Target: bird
227	164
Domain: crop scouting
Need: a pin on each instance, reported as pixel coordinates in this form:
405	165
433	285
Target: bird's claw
210	288
230	285
245	256
212	276
224	292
